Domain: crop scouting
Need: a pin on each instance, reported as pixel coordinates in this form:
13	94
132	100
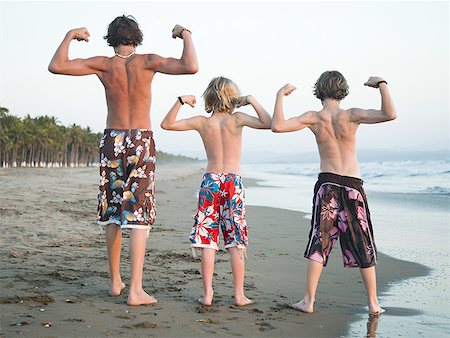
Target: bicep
250	121
78	67
368	116
192	123
299	122
163	65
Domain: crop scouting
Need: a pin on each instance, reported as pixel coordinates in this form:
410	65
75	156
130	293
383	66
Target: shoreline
54	258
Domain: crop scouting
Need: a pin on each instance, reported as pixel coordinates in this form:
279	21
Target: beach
54	280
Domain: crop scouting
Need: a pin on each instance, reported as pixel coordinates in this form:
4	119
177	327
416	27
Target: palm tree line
43	142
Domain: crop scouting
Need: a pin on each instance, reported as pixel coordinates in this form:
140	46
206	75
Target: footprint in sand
263	326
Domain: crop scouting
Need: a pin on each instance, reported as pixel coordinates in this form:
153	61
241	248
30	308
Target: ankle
308	299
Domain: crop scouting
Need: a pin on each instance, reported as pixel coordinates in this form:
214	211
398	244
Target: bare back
336	140
222	138
127	84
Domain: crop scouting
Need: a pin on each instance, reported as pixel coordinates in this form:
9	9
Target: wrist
380	82
185	30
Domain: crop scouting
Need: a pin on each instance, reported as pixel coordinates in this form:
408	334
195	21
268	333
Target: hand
373	81
177	30
80	34
243	101
287	89
189	99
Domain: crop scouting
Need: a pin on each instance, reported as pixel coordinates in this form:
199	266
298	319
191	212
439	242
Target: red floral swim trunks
220	204
127	176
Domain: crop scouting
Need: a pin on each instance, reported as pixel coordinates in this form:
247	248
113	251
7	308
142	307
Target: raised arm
170	121
387	111
187	64
60	63
280	124
263	121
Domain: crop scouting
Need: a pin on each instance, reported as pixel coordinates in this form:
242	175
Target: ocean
410	209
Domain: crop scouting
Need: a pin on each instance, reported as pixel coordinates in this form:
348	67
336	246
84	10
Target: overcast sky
261	45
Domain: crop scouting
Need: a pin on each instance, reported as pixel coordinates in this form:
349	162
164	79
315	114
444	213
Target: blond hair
331	85
221	95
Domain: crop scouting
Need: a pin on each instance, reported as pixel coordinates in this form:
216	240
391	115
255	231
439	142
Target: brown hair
222	95
331	85
124	30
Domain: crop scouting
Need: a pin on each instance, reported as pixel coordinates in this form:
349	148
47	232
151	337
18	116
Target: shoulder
153	60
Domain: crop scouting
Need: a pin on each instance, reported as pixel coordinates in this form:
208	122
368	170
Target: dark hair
124	30
331	85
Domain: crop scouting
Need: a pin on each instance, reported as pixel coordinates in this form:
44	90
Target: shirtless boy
127	149
221	196
339	206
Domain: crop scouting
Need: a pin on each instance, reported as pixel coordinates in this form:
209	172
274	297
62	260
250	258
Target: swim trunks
220	204
340	209
127	176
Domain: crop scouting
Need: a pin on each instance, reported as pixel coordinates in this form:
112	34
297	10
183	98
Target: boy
221	195
339	206
127	149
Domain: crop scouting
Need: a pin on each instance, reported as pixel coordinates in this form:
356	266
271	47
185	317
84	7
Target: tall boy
221	196
127	149
339	205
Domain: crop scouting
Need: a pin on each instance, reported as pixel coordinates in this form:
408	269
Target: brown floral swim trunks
127	176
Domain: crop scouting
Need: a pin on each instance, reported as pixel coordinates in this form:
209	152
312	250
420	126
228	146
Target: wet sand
54	268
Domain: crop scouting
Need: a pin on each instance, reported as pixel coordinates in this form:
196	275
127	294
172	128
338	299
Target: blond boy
221	196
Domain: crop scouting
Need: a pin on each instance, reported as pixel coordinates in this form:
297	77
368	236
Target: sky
260	45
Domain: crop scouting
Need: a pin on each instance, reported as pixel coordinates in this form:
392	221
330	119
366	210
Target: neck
331	103
125	51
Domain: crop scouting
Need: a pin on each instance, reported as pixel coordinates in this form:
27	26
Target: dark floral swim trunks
127	176
340	210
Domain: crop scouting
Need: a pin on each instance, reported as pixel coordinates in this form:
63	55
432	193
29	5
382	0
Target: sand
54	268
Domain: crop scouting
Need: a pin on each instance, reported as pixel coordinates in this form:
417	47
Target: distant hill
163	157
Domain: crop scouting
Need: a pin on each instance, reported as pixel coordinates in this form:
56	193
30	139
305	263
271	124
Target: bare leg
238	268
312	279
137	295
114	246
370	282
207	276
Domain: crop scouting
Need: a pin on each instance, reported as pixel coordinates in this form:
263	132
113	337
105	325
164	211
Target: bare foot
202	301
303	307
207	298
140	298
378	312
242	301
116	290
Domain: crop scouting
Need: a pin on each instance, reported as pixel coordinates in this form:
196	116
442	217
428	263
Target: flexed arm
280	124
187	64
387	111
60	63
263	121
170	121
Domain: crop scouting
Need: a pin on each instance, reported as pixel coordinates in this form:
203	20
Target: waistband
339	179
221	175
130	131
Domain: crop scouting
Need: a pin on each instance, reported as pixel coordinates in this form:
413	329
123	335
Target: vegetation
43	142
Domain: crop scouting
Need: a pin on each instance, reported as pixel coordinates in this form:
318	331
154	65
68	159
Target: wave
437	190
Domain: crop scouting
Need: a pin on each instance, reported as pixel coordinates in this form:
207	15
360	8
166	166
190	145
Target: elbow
276	129
54	69
392	115
192	69
165	126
